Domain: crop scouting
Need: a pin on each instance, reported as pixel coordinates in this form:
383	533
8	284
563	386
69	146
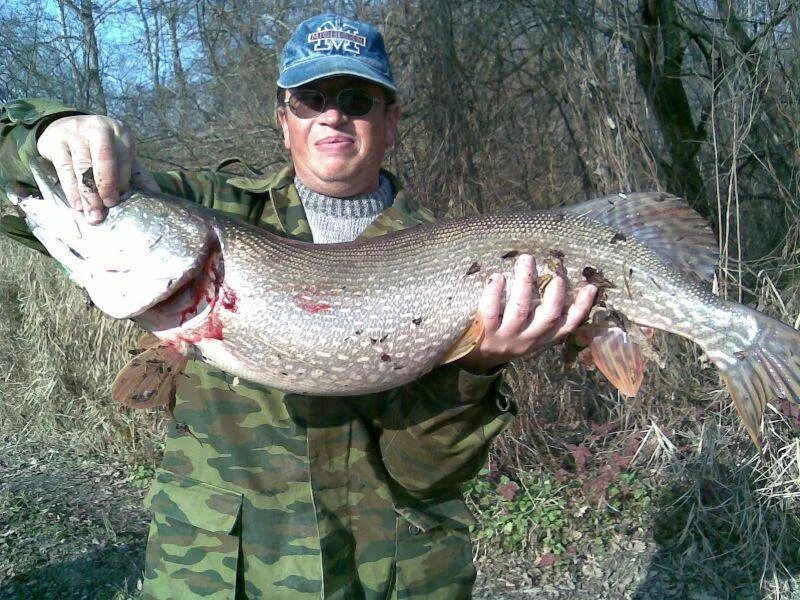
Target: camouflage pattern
264	494
21	122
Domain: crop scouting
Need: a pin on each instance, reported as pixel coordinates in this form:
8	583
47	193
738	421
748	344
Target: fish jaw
142	267
191	315
131	261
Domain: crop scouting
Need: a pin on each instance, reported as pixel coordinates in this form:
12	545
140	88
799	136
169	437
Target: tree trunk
96	97
448	118
206	38
80	86
151	43
177	65
659	53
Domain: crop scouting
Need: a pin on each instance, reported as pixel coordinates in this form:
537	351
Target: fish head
147	248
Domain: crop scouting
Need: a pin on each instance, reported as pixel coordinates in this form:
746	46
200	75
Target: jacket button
414	530
503	403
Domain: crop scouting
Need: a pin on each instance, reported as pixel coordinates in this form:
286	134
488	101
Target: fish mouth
191	301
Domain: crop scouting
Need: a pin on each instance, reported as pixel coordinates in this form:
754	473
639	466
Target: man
262	493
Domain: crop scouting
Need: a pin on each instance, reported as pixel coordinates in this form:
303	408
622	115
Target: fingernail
95	215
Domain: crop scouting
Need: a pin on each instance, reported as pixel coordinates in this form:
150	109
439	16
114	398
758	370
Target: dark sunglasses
307	104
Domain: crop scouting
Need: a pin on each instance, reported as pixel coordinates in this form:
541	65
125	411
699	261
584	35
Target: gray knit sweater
343	219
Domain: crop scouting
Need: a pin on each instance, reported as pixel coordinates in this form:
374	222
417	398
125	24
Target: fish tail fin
759	361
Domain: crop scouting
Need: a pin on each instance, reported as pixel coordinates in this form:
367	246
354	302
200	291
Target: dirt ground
70	527
73	527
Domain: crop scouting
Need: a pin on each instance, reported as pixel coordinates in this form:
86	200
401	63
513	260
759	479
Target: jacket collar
288	214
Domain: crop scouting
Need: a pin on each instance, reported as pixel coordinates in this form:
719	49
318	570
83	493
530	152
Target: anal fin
619	358
618	348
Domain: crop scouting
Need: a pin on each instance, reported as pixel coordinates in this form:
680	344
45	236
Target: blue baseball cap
331	44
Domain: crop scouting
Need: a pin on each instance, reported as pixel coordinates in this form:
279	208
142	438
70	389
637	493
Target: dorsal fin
666	224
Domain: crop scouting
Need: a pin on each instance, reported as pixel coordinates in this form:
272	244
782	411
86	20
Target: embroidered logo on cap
328	37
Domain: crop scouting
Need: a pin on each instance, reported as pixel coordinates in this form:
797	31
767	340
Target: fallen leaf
547	560
508	490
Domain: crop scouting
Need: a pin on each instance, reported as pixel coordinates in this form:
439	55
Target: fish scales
419	274
365	316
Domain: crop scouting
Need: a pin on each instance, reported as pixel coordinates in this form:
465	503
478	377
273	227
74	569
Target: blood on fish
309	301
190	311
213	328
229	299
201	291
210	330
312	306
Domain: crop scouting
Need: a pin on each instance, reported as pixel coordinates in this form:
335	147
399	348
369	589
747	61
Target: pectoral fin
468	340
151	377
146	341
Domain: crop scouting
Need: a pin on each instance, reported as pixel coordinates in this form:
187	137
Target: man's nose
332	113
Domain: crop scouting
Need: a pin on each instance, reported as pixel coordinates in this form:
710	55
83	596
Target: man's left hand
527	322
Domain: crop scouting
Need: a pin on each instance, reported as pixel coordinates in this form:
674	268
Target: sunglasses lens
307	103
354	103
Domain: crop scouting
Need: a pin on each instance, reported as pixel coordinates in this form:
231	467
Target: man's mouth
336	141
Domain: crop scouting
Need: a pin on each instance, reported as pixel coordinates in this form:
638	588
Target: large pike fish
359	317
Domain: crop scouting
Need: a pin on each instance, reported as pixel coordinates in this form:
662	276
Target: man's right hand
105	145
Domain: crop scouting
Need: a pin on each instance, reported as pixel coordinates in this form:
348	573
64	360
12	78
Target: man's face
336	154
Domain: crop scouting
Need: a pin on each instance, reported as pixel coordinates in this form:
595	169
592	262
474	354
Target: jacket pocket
193	546
434	553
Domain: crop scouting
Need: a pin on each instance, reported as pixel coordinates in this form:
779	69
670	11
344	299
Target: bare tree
151	39
88	78
173	15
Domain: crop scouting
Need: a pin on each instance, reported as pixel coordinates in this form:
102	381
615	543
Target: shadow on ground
100	574
719	538
71	527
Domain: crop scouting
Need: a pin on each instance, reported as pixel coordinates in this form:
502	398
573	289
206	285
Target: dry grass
58	358
726	522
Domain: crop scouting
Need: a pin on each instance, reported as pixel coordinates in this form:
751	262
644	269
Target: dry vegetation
511	103
59	356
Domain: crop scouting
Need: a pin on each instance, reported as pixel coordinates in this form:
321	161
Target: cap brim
327	66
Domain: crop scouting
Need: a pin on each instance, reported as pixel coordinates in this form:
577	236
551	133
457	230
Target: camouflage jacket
268	494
